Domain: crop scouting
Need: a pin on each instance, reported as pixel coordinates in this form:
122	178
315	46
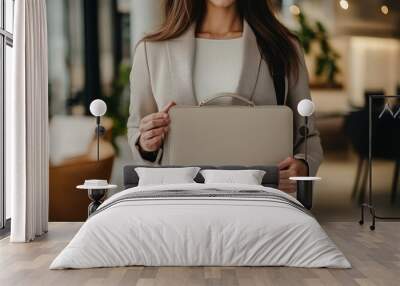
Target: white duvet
193	231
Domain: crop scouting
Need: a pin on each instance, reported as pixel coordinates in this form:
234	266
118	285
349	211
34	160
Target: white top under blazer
217	67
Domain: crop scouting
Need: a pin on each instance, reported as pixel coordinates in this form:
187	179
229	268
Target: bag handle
231	95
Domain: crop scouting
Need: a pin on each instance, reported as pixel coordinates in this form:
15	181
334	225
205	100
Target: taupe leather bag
229	135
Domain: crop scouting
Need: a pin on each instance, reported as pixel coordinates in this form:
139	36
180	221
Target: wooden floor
375	257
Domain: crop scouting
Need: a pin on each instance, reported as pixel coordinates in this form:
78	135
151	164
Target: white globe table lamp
98	108
305	108
97	189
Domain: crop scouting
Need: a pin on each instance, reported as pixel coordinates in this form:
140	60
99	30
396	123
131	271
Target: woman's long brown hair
275	42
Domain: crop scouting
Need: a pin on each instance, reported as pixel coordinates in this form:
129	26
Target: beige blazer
163	72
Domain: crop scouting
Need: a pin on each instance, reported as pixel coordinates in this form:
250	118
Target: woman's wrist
150	156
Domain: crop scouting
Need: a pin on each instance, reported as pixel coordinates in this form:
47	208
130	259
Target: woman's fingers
286	163
154	132
286	174
152	124
154	127
290	167
287	186
286	170
286	182
168	106
154	143
158	119
154	116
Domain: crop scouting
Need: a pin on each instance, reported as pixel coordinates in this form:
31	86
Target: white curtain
27	124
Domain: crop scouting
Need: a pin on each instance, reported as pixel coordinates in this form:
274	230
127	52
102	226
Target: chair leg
395	184
364	181
358	174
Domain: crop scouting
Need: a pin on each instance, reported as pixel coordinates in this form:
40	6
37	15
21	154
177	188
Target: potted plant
326	57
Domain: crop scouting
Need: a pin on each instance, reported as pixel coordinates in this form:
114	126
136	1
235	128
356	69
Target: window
6	44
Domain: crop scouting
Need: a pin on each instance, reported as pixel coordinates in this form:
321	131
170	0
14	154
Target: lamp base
305	187
305	193
96	196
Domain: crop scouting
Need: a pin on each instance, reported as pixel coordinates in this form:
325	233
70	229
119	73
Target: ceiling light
295	10
344	4
385	9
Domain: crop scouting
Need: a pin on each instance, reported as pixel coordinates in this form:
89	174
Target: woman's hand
291	168
153	129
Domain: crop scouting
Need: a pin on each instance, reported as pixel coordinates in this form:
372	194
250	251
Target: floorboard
375	257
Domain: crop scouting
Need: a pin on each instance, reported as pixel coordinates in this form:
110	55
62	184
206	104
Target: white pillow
247	177
166	176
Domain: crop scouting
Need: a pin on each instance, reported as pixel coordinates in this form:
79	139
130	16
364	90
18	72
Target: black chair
386	143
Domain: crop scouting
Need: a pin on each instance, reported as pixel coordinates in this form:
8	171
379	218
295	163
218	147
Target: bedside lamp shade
98	107
306	107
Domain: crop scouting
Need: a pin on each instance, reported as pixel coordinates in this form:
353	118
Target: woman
213	46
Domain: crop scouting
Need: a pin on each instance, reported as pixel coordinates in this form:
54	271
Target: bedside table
305	189
97	190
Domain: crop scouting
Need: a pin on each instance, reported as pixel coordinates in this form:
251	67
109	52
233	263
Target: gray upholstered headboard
271	177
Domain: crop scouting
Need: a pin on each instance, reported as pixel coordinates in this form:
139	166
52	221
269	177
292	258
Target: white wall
366	63
373	64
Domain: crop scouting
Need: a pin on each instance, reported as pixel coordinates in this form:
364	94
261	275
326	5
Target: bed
198	224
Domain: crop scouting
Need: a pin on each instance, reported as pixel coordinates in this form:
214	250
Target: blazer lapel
251	63
181	53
